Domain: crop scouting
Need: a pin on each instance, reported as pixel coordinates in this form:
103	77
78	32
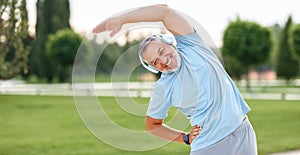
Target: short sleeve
190	44
189	40
158	106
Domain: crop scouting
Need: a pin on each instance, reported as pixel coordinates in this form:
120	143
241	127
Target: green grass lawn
50	125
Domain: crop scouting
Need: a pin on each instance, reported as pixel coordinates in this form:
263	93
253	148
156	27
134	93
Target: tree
287	66
111	53
295	41
276	31
233	67
52	15
248	43
62	48
13	31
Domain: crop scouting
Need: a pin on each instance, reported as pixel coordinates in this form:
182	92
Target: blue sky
213	15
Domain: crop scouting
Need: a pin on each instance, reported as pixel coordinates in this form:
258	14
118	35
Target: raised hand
112	24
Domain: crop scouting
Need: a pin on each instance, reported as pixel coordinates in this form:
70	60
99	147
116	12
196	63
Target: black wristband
186	139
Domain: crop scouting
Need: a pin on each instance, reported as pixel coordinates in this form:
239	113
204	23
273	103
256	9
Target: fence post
283	96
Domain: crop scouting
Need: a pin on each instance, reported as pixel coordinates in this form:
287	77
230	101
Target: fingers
195	131
112	33
100	28
112	24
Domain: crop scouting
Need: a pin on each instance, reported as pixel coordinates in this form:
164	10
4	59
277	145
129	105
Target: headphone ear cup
147	66
152	69
167	39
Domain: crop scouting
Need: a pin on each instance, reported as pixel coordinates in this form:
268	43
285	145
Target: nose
160	63
162	59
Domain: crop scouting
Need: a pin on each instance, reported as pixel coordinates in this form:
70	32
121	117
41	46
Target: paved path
295	152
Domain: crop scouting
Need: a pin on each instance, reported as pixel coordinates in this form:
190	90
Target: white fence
132	89
128	89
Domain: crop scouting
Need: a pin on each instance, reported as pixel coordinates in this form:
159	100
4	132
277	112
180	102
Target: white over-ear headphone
165	39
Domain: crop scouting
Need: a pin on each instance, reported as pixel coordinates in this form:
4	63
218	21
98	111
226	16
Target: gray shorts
242	141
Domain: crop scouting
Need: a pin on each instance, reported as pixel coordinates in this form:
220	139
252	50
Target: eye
162	51
154	62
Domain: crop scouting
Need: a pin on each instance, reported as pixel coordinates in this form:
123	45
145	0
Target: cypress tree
52	15
287	67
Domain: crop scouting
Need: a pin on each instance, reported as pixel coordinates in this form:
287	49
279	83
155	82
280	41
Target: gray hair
144	44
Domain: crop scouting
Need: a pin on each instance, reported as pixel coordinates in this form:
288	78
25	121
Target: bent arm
173	21
157	128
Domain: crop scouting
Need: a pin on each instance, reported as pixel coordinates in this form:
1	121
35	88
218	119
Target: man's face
162	56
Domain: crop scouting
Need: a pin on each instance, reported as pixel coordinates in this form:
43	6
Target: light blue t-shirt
200	89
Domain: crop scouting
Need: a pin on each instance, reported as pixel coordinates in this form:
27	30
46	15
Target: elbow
166	9
168	12
152	124
163	5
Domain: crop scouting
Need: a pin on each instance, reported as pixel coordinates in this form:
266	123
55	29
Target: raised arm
173	21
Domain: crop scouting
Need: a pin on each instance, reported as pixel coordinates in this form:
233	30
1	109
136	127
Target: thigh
219	148
243	141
